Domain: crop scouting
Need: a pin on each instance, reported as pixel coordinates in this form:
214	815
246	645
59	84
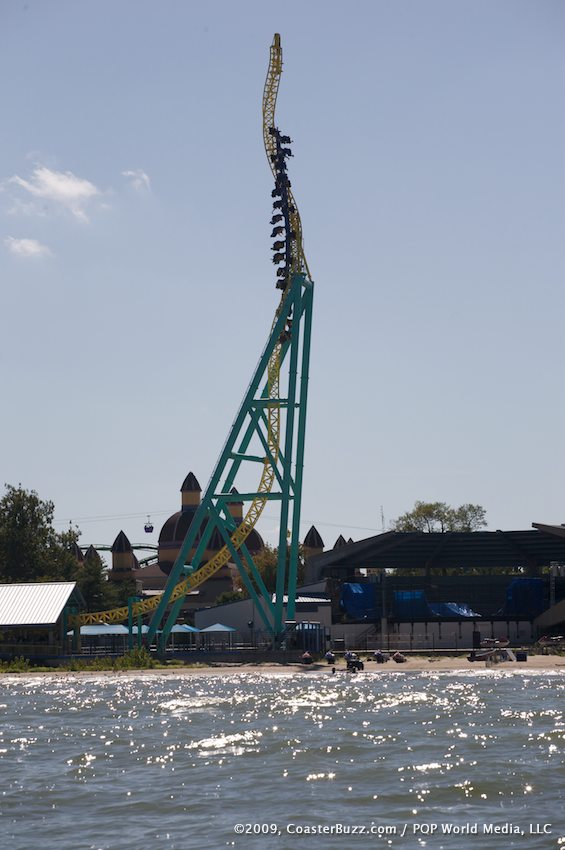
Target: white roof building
38	604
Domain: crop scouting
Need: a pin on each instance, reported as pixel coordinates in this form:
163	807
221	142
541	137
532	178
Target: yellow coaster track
297	265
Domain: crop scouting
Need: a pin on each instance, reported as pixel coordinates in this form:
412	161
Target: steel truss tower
288	346
267	434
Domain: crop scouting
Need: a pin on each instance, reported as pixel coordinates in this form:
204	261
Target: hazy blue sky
137	288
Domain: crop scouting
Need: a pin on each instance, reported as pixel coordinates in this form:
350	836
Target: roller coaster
267	435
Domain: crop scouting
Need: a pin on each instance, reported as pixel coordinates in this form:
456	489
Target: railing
32	650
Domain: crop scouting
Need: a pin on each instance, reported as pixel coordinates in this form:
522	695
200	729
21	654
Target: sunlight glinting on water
125	756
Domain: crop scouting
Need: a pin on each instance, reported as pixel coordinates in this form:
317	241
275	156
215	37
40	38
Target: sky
136	284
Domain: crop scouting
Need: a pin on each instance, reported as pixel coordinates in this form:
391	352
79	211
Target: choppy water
174	763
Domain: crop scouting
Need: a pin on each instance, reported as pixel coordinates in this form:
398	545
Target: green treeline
32	550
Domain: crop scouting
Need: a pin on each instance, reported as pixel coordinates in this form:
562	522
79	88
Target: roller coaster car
276	191
277	218
281	272
277	205
277	230
278	245
274	132
286	140
278	258
286	152
281	284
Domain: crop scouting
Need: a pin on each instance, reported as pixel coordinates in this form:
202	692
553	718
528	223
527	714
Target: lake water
399	760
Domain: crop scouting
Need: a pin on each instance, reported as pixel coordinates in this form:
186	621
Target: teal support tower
264	451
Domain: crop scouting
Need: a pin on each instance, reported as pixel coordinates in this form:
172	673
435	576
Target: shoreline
420	664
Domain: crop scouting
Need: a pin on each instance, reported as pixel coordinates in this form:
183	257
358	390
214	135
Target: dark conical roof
121	543
190	484
233	491
313	539
76	551
350	541
340	542
91	554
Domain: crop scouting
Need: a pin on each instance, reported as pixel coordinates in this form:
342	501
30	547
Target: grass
135	659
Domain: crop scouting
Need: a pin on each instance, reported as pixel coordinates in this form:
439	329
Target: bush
138	658
16	665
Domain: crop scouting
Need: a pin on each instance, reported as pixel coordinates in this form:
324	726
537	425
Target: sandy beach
415	664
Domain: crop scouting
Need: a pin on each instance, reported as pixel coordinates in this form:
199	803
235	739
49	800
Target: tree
230	596
30	548
92	582
266	562
438	516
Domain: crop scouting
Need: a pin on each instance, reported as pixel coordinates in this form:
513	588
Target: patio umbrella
183	629
219	628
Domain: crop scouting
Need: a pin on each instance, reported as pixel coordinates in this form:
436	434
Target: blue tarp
413	605
453	609
359	601
524	598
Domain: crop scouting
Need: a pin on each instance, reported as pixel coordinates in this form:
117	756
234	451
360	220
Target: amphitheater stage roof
449	550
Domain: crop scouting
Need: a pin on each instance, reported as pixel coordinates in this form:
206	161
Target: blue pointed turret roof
77	552
121	543
190	484
235	492
313	539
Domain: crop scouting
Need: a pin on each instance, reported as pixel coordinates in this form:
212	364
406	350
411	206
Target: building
152	578
313	612
33	618
431	590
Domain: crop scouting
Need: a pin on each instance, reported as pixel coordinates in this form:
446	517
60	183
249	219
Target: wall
239	614
435	635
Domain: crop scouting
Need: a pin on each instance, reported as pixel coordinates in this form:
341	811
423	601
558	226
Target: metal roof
34	604
453	549
103	629
310	598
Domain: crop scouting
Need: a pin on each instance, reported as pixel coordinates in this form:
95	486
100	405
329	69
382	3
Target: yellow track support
242	532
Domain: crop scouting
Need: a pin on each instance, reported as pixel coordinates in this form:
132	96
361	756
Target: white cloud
62	188
138	179
27	247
